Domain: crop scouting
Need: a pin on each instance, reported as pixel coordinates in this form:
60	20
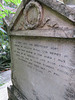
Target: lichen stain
70	94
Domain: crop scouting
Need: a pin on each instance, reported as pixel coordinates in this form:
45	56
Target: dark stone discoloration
35	94
70	94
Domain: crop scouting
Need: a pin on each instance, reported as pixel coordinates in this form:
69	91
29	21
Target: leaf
1	6
2	15
6	11
8	1
1	12
19	1
2	30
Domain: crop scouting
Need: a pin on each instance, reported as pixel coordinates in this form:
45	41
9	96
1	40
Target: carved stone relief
31	17
49	23
35	16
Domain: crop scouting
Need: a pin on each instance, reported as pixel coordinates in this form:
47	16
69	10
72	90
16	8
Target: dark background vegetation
7	10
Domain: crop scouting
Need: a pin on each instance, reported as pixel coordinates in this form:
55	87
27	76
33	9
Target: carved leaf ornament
33	15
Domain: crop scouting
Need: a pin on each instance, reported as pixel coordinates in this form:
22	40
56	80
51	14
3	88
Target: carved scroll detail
49	23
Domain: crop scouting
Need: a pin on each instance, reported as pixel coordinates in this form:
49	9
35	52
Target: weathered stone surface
59	33
70	2
15	94
44	67
46	18
43	51
61	8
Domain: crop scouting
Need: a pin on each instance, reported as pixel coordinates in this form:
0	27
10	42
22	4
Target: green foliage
4	49
3	12
4	41
2	84
13	2
16	2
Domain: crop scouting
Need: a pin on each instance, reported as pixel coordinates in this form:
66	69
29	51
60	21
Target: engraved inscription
45	61
42	57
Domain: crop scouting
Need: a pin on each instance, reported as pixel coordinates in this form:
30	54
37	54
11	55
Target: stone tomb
42	39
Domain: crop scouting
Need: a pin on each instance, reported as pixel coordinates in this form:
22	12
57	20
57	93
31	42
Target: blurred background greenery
7	9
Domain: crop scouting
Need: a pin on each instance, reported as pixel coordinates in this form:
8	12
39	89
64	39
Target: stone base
15	94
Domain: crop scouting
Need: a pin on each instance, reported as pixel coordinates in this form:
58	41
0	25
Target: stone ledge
15	94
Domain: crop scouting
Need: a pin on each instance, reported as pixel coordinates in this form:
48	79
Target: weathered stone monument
42	40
